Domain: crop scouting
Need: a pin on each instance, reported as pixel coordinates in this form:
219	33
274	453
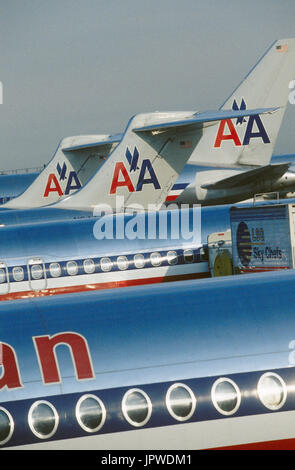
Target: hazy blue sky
72	67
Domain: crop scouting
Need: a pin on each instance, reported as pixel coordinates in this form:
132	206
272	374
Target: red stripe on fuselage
262	270
98	286
281	444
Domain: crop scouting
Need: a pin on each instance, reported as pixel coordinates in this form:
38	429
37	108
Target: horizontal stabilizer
105	140
199	119
248	177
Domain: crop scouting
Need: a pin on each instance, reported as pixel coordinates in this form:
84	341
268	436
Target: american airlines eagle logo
143	171
132	159
242	107
254	129
55	183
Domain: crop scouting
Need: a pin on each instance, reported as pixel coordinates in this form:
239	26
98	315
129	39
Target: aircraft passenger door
4	279
37	274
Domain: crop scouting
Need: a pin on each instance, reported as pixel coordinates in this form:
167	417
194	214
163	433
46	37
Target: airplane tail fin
76	159
143	167
250	141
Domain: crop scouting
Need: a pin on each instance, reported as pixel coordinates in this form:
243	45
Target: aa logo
54	184
144	173
255	129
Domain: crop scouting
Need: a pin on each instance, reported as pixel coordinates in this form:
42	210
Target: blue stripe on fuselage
68	426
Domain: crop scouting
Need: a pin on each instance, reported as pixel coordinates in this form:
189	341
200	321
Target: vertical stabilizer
251	141
76	159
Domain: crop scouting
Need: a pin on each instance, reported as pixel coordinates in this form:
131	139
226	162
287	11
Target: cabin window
43	419
2	276
272	391
156	259
90	413
4	279
136	407
139	261
55	269
89	266
6	426
72	268
180	401
122	262
36	271
172	257
188	256
18	273
106	264
226	396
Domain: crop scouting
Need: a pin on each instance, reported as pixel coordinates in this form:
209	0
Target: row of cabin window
106	265
181	402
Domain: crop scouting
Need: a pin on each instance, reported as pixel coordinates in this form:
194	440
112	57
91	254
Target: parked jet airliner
194	365
110	251
217	139
246	169
75	160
